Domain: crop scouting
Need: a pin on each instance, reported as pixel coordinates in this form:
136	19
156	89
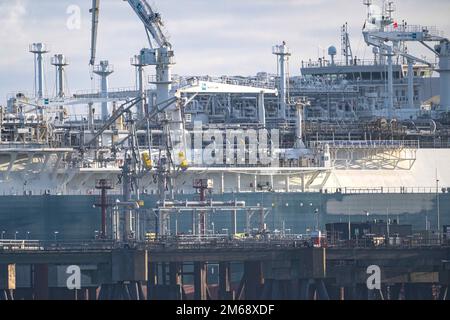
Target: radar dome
332	51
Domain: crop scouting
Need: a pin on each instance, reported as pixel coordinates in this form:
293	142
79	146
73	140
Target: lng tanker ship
346	141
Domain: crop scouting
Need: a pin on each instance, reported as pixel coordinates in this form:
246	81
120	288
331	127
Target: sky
210	37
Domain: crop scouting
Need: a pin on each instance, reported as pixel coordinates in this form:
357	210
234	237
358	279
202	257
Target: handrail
367	144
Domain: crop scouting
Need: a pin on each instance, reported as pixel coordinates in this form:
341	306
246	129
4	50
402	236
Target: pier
244	270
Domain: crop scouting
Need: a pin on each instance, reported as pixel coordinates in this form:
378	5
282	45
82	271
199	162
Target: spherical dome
332	51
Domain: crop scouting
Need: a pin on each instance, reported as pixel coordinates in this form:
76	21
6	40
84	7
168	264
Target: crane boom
151	20
95	14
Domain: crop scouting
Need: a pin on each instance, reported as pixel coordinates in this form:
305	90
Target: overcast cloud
212	37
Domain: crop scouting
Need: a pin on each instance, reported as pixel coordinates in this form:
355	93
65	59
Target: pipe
390	100
169	204
104	70
141	104
410	84
40	75
39	49
261	109
299	128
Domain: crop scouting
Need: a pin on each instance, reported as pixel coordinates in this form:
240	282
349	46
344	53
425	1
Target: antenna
390	9
345	44
368	3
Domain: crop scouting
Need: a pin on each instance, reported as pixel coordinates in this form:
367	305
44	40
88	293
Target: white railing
246	82
366	144
431	30
19	245
327	63
385	190
98	92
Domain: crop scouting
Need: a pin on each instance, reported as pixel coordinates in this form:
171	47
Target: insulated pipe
299	127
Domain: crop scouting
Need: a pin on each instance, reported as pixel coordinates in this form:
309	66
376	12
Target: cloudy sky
212	37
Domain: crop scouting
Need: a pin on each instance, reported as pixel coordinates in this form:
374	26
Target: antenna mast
389	9
368	3
345	43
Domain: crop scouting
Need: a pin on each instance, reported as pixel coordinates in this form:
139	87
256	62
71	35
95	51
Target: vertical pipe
40	68
247	222
261	109
90	116
194	213
299	129
283	94
103	235
390	102
261	220
104	70
104	95
282	53
234	223
410	84
141	104
202	213
126	190
35	75
61	82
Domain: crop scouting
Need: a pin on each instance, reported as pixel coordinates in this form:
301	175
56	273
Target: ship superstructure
322	142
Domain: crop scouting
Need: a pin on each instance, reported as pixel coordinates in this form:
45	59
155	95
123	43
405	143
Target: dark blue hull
74	217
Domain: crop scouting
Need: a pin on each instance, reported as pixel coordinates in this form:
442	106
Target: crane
151	20
381	31
161	55
95	14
